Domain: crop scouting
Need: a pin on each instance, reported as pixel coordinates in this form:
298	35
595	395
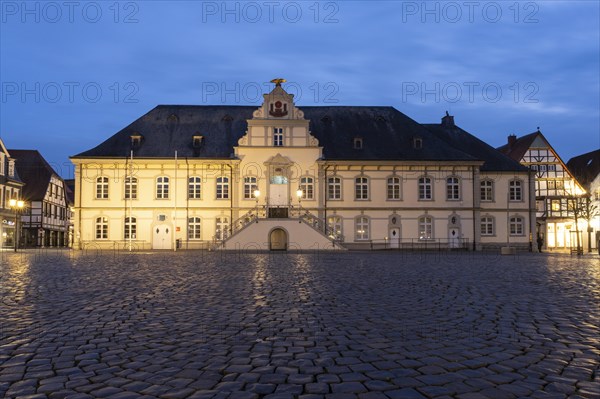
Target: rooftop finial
278	81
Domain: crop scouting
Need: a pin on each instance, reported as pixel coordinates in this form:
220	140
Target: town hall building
282	177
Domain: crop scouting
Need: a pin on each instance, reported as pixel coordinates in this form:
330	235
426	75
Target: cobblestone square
310	325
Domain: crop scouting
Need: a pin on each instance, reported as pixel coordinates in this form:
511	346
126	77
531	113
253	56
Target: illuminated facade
283	177
45	221
10	188
556	189
586	168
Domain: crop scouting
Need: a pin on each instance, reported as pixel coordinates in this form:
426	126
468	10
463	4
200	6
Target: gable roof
34	171
386	132
585	167
494	160
5	178
520	146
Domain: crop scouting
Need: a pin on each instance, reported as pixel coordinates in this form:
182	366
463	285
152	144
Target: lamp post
17	206
257	196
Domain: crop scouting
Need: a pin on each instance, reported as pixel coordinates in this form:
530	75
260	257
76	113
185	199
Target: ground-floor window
130	228
194	232
487	226
335	226
102	228
516	226
361	228
222	228
425	227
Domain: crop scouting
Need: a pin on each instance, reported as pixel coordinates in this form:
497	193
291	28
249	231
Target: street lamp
17	206
299	194
256	195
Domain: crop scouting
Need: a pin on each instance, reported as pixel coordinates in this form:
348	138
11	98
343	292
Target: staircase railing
249	217
312	220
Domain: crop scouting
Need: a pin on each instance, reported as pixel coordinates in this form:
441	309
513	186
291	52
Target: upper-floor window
425	227
101	228
278	136
452	188
487	190
308	188
131	187
102	187
361	188
425	188
130	228
515	190
250	186
334	188
195	187
162	187
361	228
11	168
222	187
393	188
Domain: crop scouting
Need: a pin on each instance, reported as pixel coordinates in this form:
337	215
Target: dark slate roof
520	146
386	132
585	167
493	159
34	171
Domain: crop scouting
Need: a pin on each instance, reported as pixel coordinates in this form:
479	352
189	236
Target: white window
335	226
515	190
131	186
194	226
130	228
222	228
452	188
487	226
11	168
425	227
516	226
393	188
334	188
102	188
308	188
250	186
487	190
195	187
222	187
102	228
361	228
162	187
278	136
361	188
425	189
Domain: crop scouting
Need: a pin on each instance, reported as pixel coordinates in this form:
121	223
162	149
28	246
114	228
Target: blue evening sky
74	73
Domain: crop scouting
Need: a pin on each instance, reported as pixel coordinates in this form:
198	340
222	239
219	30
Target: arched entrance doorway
278	239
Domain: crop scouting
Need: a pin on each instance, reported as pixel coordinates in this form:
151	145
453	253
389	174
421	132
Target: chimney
512	139
447	120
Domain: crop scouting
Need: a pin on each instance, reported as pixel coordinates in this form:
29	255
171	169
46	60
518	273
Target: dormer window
417	143
197	141
358	143
11	168
136	139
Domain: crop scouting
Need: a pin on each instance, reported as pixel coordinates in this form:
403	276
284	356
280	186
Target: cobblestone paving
309	326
